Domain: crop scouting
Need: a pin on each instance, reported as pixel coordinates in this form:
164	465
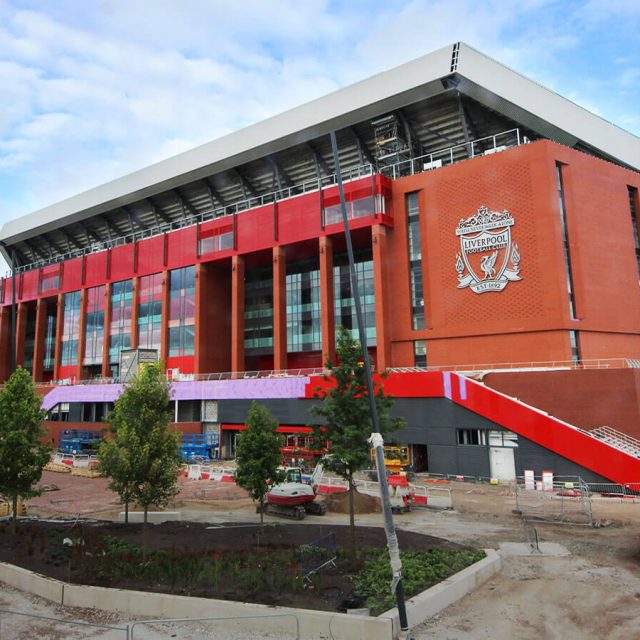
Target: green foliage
258	454
420	571
346	410
346	413
141	456
184	571
23	451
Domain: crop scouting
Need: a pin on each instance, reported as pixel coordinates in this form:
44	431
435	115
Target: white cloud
93	91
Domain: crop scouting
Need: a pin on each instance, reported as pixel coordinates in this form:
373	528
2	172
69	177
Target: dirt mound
339	503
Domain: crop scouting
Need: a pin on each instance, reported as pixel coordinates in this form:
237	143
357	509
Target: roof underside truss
445	120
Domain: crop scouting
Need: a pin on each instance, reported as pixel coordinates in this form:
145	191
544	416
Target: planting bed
232	562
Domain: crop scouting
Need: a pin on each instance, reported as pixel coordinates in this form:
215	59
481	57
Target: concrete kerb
31	582
440	596
313	624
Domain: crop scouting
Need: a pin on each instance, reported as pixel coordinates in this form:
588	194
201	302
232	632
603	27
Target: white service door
503	466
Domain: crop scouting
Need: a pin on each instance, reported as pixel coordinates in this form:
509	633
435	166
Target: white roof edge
370	97
237	146
548	105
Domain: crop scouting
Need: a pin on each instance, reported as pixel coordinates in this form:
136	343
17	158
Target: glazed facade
264	289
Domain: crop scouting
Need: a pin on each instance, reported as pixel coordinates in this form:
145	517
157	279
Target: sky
91	90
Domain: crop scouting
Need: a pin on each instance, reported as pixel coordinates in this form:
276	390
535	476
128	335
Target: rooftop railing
171	376
434	160
597	363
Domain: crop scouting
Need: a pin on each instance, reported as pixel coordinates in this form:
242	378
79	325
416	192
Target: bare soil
38	546
591	594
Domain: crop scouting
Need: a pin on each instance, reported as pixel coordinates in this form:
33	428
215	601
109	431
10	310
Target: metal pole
14	343
392	540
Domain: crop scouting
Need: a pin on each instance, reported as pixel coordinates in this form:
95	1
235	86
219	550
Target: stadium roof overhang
443	99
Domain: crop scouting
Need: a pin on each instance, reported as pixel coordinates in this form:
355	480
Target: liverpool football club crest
488	259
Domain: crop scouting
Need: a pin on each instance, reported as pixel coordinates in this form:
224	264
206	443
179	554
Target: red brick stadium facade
506	249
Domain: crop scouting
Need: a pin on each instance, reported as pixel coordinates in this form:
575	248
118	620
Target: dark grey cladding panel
466	461
76	410
438	412
530	455
442	459
473	461
445	435
293	411
420	414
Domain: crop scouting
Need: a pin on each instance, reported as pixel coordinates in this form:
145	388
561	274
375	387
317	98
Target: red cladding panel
425	384
216	227
30	285
299	218
121	263
255	229
184	363
72	275
545	430
96	269
150	255
68	372
181	248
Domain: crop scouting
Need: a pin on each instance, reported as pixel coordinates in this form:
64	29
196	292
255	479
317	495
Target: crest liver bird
487	264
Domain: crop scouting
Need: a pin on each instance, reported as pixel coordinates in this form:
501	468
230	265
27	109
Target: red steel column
200	329
58	347
106	369
135	303
237	314
327	305
5	343
21	333
279	309
380	258
39	339
164	332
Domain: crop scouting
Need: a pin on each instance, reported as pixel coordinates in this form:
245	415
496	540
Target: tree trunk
352	519
126	511
14	513
144	533
262	513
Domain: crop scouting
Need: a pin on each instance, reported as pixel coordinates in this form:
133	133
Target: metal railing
496	367
215	213
566	501
436	159
148	628
53	623
199	377
628	492
600	363
450	155
617	439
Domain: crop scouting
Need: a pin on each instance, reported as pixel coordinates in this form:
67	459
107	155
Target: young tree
346	414
23	452
141	456
258	455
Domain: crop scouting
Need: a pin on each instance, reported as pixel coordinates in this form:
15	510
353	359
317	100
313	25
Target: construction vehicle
299	449
293	497
397	461
401	494
76	441
199	448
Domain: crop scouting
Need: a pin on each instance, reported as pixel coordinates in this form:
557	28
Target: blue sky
95	89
